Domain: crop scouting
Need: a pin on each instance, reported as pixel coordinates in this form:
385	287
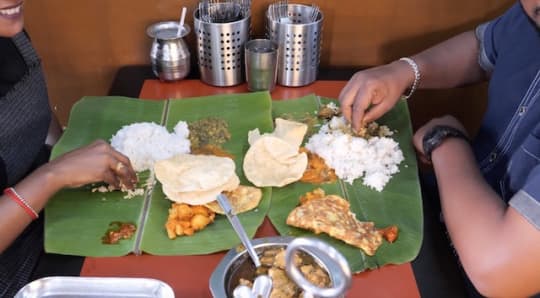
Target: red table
189	275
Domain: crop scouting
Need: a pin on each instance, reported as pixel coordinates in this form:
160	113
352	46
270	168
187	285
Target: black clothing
12	66
25	117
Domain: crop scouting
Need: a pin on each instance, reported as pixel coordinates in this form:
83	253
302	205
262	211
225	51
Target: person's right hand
96	162
371	93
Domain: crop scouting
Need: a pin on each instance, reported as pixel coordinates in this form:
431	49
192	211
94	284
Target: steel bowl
237	262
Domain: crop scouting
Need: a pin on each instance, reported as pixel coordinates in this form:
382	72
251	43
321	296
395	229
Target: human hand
96	162
371	93
418	137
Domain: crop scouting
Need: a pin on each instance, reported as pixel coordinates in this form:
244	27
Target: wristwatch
437	135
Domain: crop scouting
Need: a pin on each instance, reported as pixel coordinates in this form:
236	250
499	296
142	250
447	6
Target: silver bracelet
416	71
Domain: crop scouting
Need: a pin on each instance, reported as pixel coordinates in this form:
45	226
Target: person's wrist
50	177
405	74
447	147
439	134
417	76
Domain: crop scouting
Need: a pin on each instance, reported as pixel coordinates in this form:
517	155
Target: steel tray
84	287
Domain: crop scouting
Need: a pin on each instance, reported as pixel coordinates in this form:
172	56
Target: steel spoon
238	228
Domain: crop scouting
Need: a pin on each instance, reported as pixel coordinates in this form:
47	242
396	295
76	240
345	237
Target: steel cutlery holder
220	50
299	37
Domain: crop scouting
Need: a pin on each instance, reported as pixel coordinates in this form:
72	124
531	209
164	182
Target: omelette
242	199
331	215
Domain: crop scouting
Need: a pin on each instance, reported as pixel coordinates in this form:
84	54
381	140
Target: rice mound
144	143
375	159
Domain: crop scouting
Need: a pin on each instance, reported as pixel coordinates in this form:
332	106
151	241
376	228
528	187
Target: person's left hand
421	132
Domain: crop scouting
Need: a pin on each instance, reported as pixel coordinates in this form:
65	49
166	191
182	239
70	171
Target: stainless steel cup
261	64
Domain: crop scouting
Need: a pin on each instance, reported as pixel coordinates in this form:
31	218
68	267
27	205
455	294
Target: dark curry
208	131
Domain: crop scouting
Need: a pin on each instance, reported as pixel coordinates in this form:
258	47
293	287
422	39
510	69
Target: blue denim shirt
507	146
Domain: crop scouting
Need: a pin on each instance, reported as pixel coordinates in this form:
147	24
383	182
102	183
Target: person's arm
372	92
451	63
498	248
94	163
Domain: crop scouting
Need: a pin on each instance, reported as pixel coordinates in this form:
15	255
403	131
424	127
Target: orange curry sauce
118	231
317	171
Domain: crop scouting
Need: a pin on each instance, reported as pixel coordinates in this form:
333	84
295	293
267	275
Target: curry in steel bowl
236	269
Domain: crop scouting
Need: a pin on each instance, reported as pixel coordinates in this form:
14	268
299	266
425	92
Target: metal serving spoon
238	228
262	286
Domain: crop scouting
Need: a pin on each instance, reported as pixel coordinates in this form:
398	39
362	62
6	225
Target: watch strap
437	135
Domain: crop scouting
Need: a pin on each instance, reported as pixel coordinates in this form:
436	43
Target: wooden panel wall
84	42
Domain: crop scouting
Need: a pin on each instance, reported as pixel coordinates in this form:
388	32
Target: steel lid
167	30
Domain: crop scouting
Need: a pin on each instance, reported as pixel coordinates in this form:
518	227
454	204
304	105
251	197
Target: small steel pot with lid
169	55
237	264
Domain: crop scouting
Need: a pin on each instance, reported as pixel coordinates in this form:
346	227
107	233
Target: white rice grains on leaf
376	159
144	143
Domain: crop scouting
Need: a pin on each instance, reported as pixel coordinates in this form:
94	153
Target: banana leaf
398	204
76	219
243	112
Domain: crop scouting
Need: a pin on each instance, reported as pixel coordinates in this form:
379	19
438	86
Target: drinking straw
181	24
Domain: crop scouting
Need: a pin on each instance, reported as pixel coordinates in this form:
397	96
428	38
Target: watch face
434	139
439	135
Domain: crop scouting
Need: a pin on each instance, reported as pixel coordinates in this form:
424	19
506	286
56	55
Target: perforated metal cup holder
220	50
299	36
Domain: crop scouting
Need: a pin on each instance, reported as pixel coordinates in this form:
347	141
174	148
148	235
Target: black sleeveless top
25	116
12	66
12	69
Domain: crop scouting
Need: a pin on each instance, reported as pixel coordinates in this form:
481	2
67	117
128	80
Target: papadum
263	167
196	179
289	131
201	197
188	172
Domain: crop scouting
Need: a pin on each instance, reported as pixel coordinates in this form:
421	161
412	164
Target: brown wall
84	42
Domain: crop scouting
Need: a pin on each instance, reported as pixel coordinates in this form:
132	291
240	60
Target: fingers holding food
96	162
111	179
362	102
360	93
124	174
371	93
119	166
346	99
122	168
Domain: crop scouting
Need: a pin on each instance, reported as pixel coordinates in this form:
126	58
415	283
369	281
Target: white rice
332	105
376	159
144	143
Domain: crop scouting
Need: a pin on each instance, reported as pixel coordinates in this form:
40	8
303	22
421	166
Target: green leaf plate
398	204
76	219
